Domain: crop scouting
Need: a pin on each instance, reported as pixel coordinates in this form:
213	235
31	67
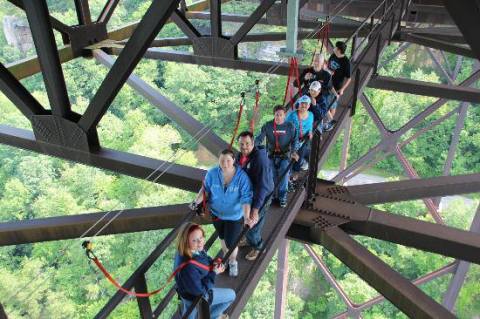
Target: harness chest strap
300	125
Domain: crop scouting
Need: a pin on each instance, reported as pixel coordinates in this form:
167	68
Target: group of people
239	191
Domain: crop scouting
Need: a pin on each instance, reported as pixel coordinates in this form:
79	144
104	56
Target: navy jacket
260	173
193	281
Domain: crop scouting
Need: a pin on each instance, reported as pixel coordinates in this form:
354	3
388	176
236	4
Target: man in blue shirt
282	145
255	162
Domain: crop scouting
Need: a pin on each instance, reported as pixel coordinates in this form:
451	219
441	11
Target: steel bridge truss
321	212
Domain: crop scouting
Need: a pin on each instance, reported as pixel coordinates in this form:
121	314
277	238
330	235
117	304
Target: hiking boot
252	255
283	203
233	268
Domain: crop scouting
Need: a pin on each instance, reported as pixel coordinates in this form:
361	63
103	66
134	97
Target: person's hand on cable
193	205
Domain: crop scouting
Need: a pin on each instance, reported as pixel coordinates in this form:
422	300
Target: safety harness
88	246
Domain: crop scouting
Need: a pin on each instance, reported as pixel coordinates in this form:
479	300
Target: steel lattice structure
322	212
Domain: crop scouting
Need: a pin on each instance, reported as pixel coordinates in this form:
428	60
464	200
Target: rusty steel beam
419	281
88	224
152	22
436	238
19	95
438	90
209	139
398	290
415	189
162	172
438	44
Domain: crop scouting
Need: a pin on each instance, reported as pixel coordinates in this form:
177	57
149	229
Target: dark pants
254	235
229	230
279	166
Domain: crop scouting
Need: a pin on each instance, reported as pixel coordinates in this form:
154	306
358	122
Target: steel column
292	27
401	292
196	129
460	274
281	287
107	11
216	18
83	12
148	28
38	19
144	305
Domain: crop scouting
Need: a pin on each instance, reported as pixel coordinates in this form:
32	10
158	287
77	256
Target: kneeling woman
229	195
197	278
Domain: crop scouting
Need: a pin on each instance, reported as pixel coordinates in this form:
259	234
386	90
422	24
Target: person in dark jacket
339	65
281	145
255	162
196	280
318	73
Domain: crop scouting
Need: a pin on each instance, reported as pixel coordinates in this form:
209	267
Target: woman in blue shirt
196	274
303	121
229	195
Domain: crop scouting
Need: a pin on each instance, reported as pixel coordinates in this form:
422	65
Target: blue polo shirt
226	203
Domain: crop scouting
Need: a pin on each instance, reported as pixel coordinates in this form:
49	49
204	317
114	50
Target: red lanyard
277	145
300	125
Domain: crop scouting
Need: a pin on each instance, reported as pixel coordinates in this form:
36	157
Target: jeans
304	155
279	166
254	235
222	299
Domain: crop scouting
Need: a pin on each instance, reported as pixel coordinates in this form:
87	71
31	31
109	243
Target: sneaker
304	166
329	126
252	255
243	242
233	269
283	203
